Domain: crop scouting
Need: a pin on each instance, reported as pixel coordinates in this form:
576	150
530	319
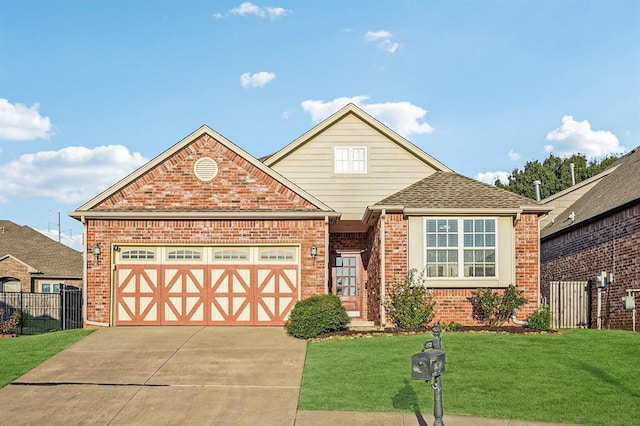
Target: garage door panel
229	295
138	295
184	295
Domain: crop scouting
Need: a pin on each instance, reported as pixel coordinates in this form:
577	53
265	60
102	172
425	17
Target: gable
174	185
391	162
168	185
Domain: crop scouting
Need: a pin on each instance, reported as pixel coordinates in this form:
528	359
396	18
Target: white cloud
403	117
375	35
514	156
577	137
71	175
21	123
258	79
491	177
250	9
385	43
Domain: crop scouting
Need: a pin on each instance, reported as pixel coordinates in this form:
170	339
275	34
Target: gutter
383	270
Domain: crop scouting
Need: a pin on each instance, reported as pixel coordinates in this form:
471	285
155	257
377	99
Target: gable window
460	247
350	159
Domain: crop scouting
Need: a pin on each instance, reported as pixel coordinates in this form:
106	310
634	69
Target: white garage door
220	285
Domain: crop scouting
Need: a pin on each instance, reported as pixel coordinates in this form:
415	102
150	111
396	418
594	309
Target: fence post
21	311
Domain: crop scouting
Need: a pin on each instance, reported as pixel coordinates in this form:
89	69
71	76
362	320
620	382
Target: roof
448	190
618	187
351	108
179	146
48	257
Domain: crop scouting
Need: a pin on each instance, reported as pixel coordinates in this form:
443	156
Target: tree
554	173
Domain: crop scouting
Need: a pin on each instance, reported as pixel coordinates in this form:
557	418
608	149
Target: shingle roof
39	251
443	190
618	188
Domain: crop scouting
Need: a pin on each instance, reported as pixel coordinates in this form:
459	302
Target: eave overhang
203	215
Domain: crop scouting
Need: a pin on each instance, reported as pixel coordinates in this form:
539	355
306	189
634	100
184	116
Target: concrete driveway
164	375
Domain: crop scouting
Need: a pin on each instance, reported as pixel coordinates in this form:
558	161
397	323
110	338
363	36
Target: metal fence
44	312
569	302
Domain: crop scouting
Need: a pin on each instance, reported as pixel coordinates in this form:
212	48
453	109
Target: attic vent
205	169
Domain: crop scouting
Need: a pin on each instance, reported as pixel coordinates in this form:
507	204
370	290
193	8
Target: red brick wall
107	232
611	244
172	185
10	267
454	304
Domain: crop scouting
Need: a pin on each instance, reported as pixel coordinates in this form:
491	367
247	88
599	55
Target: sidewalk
318	418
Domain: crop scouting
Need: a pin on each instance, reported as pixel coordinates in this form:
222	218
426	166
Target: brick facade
11	268
172	185
207	232
609	244
453	304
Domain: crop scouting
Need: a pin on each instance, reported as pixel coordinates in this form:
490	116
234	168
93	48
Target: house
33	262
205	233
594	228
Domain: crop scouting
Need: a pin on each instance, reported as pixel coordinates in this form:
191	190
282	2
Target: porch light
314	252
96	251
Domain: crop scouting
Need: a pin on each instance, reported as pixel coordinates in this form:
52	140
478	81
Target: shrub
315	315
410	304
495	309
541	319
8	326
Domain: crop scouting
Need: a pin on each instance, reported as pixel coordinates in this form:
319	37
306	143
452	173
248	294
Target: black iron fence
43	312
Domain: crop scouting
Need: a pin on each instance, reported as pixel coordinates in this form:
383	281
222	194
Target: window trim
350	160
460	248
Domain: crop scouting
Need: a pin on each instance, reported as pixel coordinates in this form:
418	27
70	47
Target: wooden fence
570	303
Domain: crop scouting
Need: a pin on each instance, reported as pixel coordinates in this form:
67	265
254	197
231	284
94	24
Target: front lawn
21	354
578	376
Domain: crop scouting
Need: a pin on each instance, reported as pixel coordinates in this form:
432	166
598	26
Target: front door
347	282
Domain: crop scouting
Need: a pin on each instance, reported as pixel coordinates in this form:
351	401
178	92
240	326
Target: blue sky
90	90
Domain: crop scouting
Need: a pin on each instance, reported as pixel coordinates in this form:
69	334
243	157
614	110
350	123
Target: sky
91	90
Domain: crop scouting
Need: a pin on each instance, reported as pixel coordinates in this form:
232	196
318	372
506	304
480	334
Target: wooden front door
347	282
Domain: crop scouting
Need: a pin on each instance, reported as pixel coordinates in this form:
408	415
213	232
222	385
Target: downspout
383	282
326	255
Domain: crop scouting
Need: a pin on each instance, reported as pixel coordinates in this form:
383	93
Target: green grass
579	376
21	354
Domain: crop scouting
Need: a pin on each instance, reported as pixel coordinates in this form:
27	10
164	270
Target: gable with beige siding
390	167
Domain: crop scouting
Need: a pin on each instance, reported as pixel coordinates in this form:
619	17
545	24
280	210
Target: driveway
164	375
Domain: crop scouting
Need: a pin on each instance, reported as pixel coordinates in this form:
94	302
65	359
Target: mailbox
427	365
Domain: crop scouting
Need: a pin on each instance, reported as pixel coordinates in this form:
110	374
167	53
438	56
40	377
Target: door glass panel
346	273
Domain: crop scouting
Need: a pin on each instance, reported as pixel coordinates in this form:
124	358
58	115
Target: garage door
221	285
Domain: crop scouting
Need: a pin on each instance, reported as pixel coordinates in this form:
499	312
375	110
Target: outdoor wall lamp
314	251
96	251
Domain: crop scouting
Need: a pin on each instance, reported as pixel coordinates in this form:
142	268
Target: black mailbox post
429	365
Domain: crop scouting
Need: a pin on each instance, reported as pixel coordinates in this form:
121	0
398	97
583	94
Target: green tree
554	173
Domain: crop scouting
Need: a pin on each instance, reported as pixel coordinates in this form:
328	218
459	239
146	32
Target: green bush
541	319
451	326
410	304
495	309
315	315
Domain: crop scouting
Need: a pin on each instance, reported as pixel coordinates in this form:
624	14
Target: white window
138	254
460	247
50	288
182	254
350	159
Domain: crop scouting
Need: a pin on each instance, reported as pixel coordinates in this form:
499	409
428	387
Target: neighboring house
32	262
205	233
595	227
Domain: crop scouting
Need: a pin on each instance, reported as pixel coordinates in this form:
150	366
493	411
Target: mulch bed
347	334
